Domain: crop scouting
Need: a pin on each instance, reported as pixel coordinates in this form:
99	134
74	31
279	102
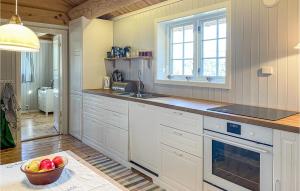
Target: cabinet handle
277	185
176	133
178	154
177	113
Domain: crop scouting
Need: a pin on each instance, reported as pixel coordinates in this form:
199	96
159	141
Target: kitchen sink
139	96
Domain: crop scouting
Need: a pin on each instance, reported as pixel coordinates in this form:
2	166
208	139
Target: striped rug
130	179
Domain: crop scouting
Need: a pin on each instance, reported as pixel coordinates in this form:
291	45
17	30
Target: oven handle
237	144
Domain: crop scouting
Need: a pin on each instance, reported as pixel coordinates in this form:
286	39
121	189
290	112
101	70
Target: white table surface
75	177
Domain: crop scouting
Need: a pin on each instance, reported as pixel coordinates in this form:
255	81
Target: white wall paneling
261	37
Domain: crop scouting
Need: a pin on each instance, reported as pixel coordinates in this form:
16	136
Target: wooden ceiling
62	11
131	7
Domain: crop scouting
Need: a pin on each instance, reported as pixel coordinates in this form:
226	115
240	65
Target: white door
56	80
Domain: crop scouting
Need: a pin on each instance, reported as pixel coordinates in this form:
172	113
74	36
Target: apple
33	166
46	165
58	161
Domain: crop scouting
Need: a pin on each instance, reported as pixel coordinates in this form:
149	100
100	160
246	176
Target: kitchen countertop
198	106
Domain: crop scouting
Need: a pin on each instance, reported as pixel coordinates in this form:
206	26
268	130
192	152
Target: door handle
236	144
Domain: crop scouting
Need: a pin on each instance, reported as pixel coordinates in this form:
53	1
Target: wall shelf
114	60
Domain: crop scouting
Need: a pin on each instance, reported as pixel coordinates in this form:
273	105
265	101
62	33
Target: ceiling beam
96	8
34	14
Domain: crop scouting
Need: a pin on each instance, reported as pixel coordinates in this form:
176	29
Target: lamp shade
16	37
298	46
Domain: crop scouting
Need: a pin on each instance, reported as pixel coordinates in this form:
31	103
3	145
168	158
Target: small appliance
106	82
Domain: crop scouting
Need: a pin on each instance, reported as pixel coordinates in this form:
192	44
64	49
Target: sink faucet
139	85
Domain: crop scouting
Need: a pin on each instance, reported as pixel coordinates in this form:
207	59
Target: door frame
55	30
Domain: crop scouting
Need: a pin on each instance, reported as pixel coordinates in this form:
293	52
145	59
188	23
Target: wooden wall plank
264	45
254	82
273	58
293	65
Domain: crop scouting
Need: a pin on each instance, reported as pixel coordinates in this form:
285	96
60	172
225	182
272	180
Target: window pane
222	67
177	34
209	67
188	67
222	28
189	33
222	48
177	51
210	30
177	67
209	49
189	50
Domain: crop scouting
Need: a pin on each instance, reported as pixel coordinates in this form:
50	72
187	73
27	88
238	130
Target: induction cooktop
255	112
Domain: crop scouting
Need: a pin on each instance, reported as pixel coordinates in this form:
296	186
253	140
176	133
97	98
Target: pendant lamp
16	37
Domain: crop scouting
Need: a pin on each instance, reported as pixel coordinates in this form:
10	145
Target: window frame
170	47
198	39
163	53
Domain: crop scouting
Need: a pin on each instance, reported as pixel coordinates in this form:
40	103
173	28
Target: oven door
235	164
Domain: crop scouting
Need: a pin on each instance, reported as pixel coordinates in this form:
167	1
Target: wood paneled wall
260	37
43	74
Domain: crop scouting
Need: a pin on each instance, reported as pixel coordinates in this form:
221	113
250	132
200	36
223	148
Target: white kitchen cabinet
105	126
144	136
181	150
286	154
75	117
181	171
116	141
87	50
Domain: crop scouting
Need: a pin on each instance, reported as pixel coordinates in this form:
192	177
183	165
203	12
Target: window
195	49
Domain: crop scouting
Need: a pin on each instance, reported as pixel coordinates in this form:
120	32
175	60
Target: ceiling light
16	37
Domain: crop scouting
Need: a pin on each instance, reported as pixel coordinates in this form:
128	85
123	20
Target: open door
57	60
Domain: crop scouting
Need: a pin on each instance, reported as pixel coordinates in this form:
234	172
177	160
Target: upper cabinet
286	161
89	42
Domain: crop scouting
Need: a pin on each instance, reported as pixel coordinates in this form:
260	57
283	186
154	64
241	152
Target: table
78	175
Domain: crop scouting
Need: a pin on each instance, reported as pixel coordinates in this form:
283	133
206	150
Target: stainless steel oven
237	157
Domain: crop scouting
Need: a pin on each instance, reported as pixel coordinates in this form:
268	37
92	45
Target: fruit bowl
43	177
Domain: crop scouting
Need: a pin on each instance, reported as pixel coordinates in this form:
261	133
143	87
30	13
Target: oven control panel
234	128
241	130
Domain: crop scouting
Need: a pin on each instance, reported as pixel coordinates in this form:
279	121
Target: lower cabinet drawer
180	170
181	140
208	187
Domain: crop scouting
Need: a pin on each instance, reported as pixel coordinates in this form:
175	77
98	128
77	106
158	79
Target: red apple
46	165
58	161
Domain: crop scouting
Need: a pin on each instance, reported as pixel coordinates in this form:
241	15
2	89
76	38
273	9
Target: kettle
106	82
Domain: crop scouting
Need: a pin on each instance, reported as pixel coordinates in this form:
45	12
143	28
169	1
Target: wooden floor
37	124
132	180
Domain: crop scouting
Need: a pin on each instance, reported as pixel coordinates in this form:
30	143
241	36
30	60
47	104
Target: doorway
40	99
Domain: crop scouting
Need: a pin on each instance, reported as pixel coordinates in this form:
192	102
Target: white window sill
203	84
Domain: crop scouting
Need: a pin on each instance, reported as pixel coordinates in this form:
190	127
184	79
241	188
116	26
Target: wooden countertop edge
242	119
